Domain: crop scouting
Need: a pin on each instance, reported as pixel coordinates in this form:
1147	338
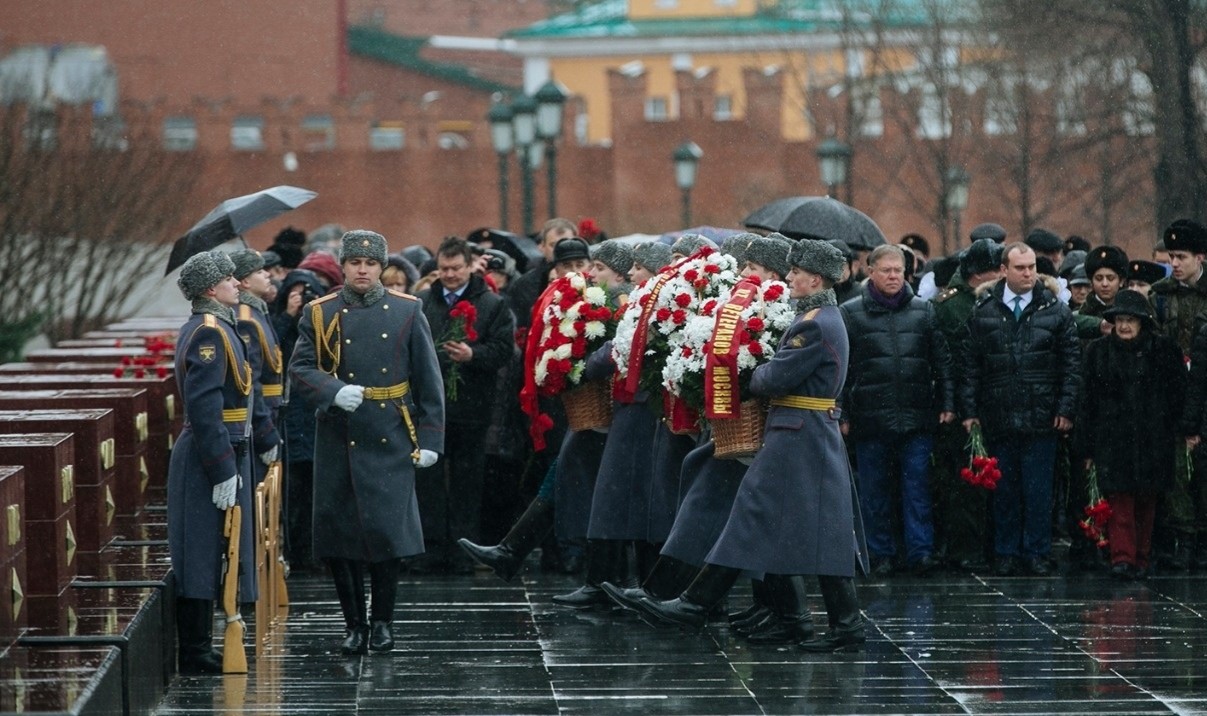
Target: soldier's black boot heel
793	623
606	562
350	589
846	623
690	610
667	579
506	557
195	635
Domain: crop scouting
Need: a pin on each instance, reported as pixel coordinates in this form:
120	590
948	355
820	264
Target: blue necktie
451	298
1018	307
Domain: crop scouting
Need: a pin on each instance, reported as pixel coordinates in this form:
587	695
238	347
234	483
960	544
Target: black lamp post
523	122
957	181
502	140
687	160
550	99
834	157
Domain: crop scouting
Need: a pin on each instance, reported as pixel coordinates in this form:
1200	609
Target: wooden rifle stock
234	659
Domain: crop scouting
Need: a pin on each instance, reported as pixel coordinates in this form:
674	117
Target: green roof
609	18
403	51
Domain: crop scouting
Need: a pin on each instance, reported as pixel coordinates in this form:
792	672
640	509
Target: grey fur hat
652	255
818	257
1072	260
689	244
203	271
247	262
360	243
735	245
771	253
614	255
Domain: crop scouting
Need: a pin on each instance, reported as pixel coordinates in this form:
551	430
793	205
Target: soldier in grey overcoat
366	361
210	470
260	339
795	510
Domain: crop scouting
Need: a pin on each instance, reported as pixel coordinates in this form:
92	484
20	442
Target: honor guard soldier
210	470
796	510
366	362
263	348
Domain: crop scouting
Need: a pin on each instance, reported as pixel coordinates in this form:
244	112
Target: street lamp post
550	99
957	181
523	122
834	158
502	140
687	160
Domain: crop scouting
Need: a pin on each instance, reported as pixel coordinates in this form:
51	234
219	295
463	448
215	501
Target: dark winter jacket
493	349
900	374
1129	410
1194	416
1017	377
1180	308
523	293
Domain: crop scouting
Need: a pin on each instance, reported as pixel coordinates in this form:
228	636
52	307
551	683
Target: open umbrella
817	217
233	217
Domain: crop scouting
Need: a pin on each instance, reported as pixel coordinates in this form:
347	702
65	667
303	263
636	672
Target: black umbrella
817	217
233	217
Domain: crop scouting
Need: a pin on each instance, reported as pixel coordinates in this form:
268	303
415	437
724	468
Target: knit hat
984	255
990	231
652	255
689	244
818	257
1077	276
247	262
359	243
570	249
735	245
203	271
400	262
771	254
615	255
1072	260
1186	235
1043	241
1145	271
323	265
1130	303
1111	257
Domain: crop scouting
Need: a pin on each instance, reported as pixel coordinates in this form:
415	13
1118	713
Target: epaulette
946	294
210	321
812	314
244	312
400	294
322	299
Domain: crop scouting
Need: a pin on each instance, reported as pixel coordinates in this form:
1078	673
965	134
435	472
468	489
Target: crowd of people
984	400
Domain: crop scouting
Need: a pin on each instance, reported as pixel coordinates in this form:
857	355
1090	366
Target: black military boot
842	609
667	579
690	610
793	623
350	588
195	635
647	555
607	561
759	615
384	583
506	557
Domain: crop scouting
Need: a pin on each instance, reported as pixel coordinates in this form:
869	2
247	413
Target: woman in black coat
1127	420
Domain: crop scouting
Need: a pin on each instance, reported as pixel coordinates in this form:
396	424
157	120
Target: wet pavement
1076	644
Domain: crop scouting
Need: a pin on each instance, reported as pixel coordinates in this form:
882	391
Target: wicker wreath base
589	406
741	436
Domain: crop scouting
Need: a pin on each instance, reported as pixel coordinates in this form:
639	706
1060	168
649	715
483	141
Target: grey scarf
368	298
254	301
817	300
209	305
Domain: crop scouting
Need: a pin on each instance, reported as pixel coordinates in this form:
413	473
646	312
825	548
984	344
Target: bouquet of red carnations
982	470
460	328
1097	513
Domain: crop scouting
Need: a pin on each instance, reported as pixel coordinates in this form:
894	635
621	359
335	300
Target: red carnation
773	292
756	325
161	371
712	268
709	307
679	317
691	274
687	351
756	348
683	300
700	283
118	372
140	373
644	300
663	314
753	278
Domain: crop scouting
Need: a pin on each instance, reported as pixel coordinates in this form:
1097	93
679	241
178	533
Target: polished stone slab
950	644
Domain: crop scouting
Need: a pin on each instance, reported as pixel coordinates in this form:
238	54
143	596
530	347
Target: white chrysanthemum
562	351
595	329
577	281
566	327
746	359
576	372
595	296
572	313
542	370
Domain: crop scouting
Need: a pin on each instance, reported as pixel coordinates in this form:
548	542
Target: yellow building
805	41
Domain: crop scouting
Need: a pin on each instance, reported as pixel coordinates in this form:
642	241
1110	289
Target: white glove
349	397
426	458
225	493
270	457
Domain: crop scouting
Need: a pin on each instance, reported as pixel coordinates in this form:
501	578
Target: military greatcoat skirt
574	486
795	510
711	485
620	505
670	450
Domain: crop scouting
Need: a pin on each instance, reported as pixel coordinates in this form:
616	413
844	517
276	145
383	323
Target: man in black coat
525	290
1020	367
450	494
899	388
